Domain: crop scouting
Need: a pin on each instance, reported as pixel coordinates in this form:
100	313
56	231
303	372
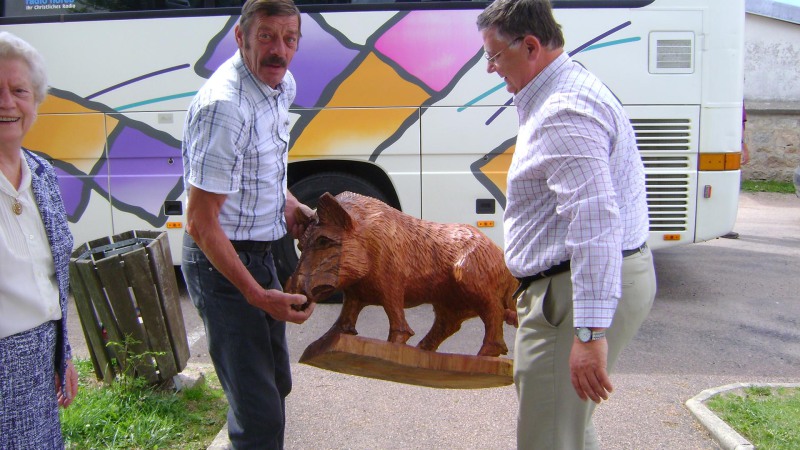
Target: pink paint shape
433	45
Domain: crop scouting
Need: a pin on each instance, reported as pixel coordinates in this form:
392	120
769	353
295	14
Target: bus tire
307	191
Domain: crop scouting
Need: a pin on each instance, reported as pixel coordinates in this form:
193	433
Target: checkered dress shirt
575	187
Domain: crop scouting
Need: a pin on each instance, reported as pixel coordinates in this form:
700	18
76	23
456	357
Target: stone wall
772	90
772	134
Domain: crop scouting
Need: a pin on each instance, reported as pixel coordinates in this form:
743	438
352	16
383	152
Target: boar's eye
323	241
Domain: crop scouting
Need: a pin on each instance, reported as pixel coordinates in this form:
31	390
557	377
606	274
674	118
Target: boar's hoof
336	331
400	336
493	349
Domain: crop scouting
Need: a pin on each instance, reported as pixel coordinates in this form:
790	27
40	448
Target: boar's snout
314	289
321	292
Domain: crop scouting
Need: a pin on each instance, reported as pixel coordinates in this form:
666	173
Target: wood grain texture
374	358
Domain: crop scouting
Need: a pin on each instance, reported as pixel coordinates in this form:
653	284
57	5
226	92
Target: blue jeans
248	347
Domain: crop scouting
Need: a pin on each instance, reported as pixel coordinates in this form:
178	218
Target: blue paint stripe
482	96
155	100
610	43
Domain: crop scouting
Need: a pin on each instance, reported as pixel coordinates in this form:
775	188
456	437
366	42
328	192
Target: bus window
39	8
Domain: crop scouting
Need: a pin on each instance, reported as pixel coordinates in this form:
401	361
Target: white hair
12	47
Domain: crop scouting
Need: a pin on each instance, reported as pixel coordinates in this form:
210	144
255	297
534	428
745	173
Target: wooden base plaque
373	358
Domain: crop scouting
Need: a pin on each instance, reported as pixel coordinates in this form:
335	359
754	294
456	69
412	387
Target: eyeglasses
493	58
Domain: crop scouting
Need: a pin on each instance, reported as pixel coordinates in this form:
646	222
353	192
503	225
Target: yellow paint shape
376	84
496	169
348	132
58	105
69	132
359	131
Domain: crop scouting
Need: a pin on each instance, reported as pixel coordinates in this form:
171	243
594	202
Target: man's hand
587	365
71	375
279	305
203	225
298	216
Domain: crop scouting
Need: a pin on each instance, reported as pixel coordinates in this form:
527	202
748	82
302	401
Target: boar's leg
399	330
446	322
493	342
346	323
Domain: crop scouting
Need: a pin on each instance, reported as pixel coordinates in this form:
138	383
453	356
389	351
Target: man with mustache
235	154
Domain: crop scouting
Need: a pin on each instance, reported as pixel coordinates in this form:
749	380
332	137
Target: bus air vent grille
665	162
667	201
674	54
662	134
671	52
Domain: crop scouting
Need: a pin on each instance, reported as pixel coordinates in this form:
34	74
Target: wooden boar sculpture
377	255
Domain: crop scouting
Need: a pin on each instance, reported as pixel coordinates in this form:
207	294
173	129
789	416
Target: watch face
584	334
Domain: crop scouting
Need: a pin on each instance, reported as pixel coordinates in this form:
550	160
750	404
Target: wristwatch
585	334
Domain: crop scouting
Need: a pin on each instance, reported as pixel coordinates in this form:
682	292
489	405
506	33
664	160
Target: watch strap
593	335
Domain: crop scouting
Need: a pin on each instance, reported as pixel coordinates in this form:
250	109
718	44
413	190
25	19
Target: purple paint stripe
497	113
592	41
140	78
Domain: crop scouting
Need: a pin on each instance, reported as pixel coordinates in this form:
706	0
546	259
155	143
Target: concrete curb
221	442
726	436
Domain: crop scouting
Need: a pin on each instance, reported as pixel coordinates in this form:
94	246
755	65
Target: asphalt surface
726	312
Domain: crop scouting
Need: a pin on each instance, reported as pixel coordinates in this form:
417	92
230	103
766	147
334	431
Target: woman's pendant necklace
16	206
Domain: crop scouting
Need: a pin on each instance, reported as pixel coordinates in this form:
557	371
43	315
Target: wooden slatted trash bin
128	302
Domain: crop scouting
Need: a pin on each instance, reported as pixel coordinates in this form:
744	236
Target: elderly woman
36	374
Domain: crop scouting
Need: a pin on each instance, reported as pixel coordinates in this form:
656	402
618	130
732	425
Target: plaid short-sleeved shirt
575	187
236	142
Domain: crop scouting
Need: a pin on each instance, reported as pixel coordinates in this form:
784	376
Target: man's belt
562	267
633	251
524	282
251	246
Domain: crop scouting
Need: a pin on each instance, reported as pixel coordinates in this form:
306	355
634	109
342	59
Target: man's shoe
731	235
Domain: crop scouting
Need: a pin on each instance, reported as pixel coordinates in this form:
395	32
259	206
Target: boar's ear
305	215
330	211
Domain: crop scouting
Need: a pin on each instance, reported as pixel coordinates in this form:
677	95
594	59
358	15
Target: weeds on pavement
132	414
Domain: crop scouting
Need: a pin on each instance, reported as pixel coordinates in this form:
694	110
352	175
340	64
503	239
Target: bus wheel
307	191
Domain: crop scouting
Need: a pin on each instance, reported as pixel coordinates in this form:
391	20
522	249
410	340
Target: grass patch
130	414
783	187
768	418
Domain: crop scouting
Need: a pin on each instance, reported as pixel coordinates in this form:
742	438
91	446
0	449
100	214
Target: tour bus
394	101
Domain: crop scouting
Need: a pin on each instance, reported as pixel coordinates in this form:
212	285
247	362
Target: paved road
726	311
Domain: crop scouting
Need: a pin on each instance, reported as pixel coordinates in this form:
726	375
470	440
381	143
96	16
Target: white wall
771	60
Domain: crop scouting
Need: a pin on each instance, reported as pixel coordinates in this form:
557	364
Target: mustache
273	60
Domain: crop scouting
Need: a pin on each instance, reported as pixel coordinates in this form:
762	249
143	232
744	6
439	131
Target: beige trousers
551	415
